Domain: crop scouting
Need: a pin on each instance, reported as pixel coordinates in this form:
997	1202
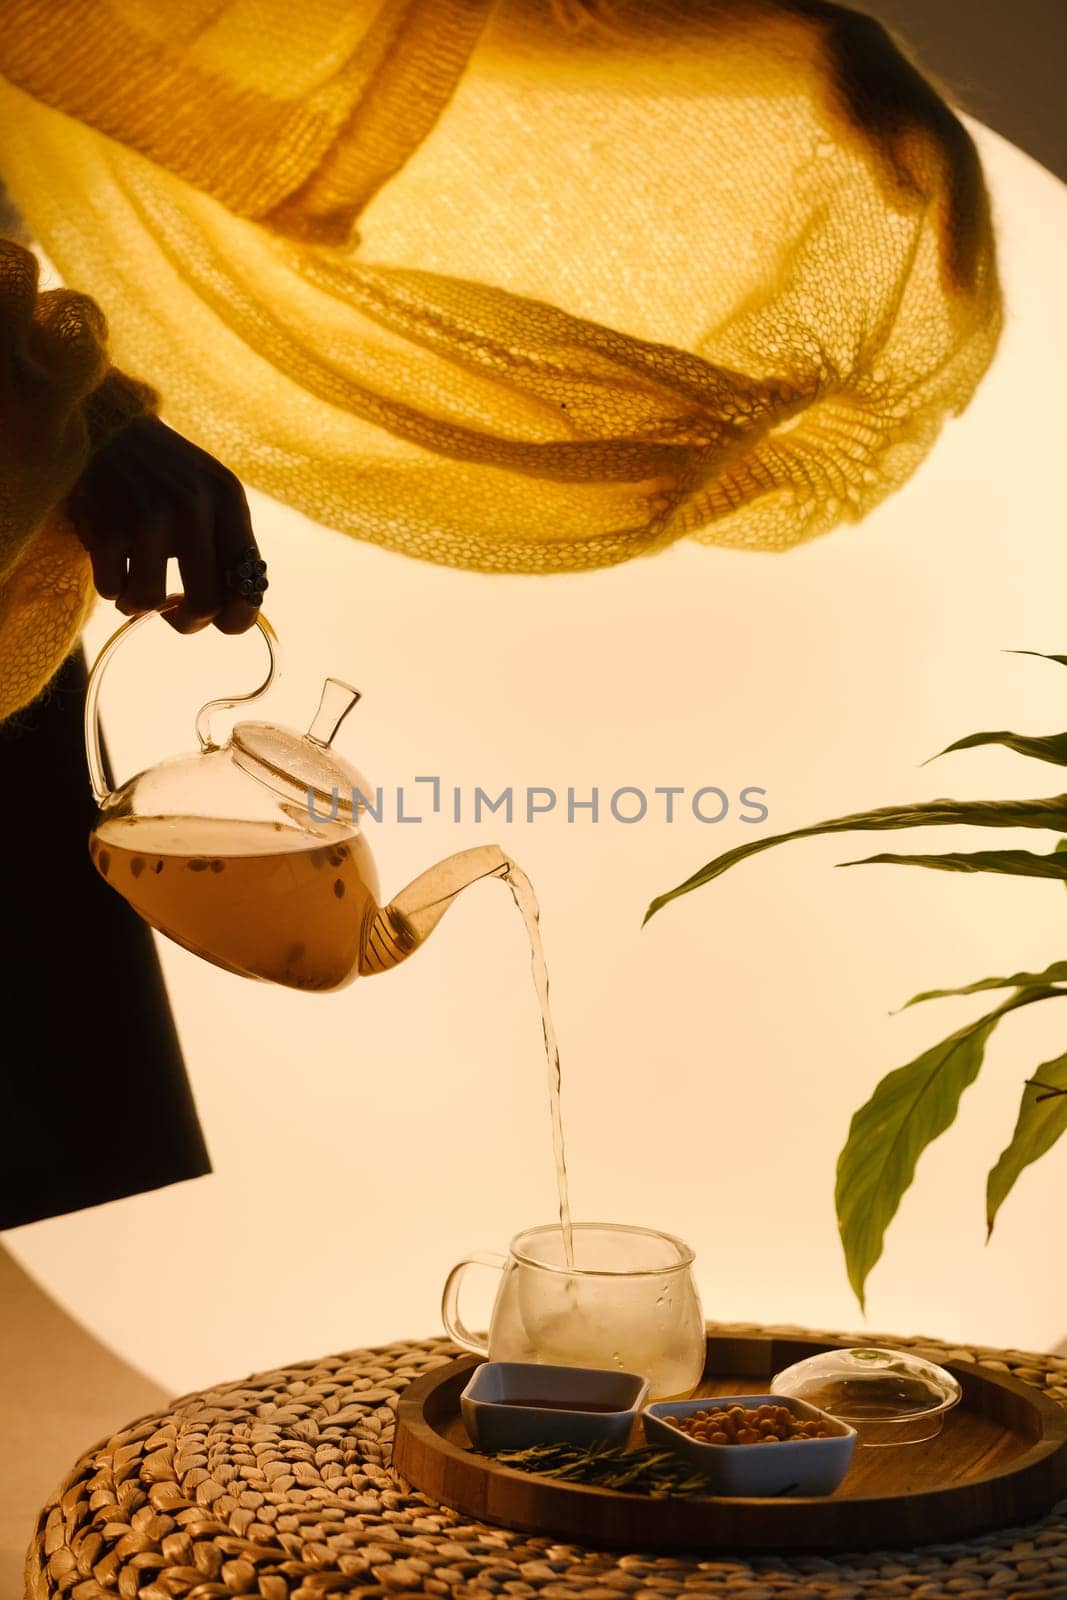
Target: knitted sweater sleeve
59	400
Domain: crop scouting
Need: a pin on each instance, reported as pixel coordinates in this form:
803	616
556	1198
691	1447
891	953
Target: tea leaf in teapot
1042	1119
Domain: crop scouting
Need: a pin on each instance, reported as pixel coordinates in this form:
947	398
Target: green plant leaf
1042	1119
908	1110
1050	813
1017	863
1040	654
1042	747
1056	973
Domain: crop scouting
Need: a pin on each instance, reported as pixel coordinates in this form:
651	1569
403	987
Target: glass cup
628	1302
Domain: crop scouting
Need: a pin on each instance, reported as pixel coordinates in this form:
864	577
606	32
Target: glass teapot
250	853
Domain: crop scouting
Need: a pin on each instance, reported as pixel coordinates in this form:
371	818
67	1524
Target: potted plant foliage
914	1104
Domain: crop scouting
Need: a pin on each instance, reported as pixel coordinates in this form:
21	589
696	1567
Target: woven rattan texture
281	1485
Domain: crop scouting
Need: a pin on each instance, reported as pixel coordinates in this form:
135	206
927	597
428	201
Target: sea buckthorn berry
763	1424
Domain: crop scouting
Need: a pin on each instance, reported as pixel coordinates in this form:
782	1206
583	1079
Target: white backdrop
363	1141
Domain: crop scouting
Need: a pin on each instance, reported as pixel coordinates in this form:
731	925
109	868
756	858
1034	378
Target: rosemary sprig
660	1474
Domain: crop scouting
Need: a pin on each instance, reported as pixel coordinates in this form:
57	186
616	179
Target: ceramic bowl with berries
755	1445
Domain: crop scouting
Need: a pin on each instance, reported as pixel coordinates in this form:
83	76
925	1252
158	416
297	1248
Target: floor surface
60	1391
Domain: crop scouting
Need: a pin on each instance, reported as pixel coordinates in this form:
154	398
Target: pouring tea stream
249	853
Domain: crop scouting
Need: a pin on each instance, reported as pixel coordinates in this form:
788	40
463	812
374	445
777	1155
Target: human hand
148	494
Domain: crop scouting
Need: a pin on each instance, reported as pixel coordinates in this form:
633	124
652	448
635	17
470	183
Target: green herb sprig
660	1474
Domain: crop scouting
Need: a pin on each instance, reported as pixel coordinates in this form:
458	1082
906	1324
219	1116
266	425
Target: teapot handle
93	753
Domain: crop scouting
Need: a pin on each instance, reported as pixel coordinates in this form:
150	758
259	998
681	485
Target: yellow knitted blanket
515	285
58	399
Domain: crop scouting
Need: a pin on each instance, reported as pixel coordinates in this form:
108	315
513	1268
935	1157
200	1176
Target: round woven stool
281	1486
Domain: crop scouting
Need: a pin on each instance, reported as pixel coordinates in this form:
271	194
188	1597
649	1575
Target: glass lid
302	767
865	1385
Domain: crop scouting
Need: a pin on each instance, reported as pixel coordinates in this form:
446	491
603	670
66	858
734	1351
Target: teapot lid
302	767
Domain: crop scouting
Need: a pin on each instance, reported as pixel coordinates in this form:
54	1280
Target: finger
109	560
238	614
107	545
201	580
146	586
235	544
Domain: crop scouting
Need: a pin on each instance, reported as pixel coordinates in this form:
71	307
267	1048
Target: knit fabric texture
511	285
59	399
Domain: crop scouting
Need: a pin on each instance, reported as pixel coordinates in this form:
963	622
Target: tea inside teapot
255	897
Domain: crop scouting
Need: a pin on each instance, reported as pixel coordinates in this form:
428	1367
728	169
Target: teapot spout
396	930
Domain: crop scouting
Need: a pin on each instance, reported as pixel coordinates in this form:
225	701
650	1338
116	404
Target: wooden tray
1000	1460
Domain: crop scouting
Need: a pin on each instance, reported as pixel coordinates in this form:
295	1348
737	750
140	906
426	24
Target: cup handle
454	1326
